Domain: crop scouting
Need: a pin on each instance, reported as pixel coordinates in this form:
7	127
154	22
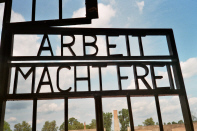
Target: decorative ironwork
91	13
8	61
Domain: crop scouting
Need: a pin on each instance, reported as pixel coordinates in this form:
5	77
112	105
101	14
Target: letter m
31	70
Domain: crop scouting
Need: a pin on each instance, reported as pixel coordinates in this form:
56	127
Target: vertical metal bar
153	76
180	83
60	9
5	53
89	85
33	80
33	14
159	113
75	79
128	46
140	45
130	113
62	40
34	115
99	113
119	80
5	73
91	9
107	42
100	79
135	77
84	47
15	80
170	77
66	113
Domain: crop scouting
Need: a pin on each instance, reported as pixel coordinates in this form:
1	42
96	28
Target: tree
180	122
49	126
22	127
74	124
62	127
92	125
168	123
174	122
157	123
107	120
124	119
148	122
6	126
194	118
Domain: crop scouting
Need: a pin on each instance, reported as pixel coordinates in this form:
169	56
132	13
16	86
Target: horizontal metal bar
1	1
94	64
20	29
47	23
87	94
36	58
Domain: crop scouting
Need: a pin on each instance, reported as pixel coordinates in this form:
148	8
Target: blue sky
180	15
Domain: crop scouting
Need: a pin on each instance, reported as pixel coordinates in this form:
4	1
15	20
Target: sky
179	15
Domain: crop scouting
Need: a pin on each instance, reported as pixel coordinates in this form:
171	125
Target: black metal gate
8	61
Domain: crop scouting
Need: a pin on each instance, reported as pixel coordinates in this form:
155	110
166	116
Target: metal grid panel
91	13
7	60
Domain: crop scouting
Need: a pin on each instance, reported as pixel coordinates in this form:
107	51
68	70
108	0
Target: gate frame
8	31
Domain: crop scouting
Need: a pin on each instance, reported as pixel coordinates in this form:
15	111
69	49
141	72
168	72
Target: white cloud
1	14
140	6
193	101
172	106
111	2
38	121
30	122
141	84
81	109
11	119
106	13
16	17
23	44
189	67
144	107
50	107
26	45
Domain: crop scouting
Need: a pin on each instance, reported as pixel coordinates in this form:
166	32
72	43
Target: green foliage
92	125
6	126
22	127
50	126
168	123
180	122
149	121
62	127
157	123
124	119
164	123
107	120
74	124
139	125
174	122
194	118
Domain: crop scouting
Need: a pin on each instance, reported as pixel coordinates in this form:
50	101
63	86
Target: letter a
42	82
45	48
